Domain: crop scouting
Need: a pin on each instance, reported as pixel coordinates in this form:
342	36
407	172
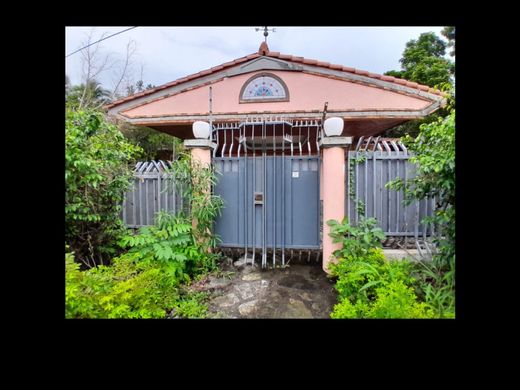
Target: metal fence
150	194
372	164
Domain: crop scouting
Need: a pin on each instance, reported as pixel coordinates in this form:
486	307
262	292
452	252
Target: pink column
200	150
333	197
201	154
333	190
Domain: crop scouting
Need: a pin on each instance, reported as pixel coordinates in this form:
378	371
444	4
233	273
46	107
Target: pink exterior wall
333	180
307	92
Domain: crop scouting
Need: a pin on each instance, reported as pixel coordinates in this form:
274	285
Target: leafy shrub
356	240
392	300
396	300
434	156
368	285
97	174
125	289
192	306
171	244
193	179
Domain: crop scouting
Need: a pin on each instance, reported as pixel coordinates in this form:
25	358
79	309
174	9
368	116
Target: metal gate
269	180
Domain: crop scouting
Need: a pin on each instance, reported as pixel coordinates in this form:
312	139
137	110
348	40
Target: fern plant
172	244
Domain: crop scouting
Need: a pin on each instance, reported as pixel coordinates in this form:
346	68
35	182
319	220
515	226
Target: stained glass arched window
264	87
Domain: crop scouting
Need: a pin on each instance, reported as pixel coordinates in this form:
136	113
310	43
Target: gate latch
259	198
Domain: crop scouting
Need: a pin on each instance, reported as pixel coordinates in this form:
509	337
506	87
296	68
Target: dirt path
298	291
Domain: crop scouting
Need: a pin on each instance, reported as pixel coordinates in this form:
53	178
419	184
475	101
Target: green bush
356	240
97	174
125	289
172	244
434	156
396	300
192	306
368	285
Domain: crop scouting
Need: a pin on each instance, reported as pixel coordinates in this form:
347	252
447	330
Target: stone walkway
297	291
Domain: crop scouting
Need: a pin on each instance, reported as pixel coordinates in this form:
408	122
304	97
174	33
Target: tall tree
449	33
424	62
91	95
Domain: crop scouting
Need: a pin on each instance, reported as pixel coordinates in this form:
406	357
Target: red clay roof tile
264	49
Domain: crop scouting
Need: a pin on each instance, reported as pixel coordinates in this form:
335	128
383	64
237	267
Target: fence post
333	189
200	150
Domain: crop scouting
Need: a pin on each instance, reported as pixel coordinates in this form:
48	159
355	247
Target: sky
164	54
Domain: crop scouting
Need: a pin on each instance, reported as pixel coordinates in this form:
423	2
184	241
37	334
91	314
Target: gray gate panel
227	186
300	222
304	203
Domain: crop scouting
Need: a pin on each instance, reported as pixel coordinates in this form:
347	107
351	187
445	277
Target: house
279	128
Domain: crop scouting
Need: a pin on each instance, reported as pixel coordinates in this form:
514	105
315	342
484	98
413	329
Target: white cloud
168	53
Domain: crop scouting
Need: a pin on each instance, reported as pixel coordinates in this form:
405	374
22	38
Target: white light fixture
201	129
333	126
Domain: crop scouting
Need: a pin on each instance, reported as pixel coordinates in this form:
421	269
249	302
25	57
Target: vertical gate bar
416	220
174	195
133	204
356	195
300	138
283	195
318	173
365	198
124	209
274	197
253	189
140	203
264	177
432	213
159	191
374	192
232	142
147	200
291	201
397	196
388	192
223	152
246	228
381	186
405	179
347	187
308	139
424	226
238	196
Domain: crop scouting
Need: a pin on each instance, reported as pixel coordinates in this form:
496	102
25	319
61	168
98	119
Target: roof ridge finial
264	49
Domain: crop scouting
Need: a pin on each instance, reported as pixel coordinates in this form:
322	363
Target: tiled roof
264	50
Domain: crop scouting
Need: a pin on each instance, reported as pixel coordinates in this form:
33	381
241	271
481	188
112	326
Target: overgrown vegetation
149	269
193	179
129	288
434	155
371	287
368	285
97	174
424	61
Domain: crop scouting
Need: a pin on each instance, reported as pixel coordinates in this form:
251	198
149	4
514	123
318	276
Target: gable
308	92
